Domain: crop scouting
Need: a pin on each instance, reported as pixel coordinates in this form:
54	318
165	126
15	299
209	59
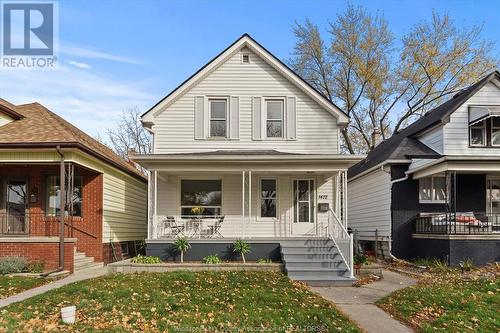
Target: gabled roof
247	41
38	127
402	145
9	109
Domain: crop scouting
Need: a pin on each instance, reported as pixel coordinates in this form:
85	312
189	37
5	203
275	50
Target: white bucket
68	314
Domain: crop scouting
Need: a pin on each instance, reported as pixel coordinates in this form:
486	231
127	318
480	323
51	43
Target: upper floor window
218	117
478	134
432	189
484	126
274	118
495	131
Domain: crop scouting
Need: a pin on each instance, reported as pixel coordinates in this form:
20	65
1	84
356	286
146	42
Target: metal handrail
347	257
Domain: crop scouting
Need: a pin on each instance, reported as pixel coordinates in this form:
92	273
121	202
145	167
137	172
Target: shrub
360	258
36	267
467	265
439	266
212	259
242	247
264	261
140	259
182	245
10	265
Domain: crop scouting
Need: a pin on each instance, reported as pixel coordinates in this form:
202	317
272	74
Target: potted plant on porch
182	245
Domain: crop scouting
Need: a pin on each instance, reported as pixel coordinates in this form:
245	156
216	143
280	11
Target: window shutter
257	118
199	117
291	119
234	118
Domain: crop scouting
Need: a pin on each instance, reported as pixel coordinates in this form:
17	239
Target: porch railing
459	223
40	224
342	239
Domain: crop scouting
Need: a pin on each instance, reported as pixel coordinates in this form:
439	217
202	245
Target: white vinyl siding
456	132
433	139
316	129
369	204
234	226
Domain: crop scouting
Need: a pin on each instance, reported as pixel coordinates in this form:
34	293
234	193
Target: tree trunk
347	140
243	256
182	256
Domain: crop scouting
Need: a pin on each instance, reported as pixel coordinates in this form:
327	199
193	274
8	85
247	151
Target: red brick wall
41	225
46	252
108	256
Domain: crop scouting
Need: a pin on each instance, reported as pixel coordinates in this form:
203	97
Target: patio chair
215	229
171	224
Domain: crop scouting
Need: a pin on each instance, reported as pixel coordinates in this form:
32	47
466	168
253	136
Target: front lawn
11	285
181	301
448	302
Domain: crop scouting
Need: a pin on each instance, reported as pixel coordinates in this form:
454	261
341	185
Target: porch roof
246	160
473	164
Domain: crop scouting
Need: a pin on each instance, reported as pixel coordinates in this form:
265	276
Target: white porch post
150	211
249	196
155	204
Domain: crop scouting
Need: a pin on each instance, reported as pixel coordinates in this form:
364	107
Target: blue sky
120	54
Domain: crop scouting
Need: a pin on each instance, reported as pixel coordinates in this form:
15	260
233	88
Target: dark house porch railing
457	223
39	224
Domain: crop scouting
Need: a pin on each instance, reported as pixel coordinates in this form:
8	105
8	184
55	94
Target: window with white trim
275	109
268	198
478	134
201	197
495	131
218	117
432	189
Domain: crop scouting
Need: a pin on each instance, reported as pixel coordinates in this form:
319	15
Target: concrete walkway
358	303
78	276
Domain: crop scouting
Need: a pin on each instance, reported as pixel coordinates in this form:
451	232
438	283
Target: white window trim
259	204
491	132
209	99
179	186
283	120
484	135
432	200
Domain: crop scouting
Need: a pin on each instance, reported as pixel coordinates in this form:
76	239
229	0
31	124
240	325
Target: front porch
247	204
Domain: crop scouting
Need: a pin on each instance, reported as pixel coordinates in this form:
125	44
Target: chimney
376	137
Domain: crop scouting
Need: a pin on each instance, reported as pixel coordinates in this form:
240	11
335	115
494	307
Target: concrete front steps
315	261
82	262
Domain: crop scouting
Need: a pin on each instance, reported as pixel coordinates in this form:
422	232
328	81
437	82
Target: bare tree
129	135
380	86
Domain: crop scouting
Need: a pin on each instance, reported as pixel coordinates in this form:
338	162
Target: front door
15	207
304	208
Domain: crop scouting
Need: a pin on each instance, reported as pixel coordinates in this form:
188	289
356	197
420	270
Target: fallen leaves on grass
163	302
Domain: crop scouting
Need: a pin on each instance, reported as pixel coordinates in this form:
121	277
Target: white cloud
81	65
91	101
84	52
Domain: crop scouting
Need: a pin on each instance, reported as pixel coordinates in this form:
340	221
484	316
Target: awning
480	113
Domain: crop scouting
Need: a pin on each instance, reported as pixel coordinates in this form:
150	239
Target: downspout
392	256
62	181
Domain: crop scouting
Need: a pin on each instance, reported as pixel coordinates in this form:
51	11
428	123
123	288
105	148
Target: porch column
152	191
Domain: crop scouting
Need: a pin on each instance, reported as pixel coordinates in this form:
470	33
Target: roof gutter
378	166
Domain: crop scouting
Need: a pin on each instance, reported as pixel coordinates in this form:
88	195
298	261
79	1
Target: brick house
105	209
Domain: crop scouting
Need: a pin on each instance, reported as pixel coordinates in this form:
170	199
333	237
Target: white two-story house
433	189
245	148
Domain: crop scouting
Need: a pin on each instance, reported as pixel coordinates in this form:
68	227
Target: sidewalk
79	276
359	303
